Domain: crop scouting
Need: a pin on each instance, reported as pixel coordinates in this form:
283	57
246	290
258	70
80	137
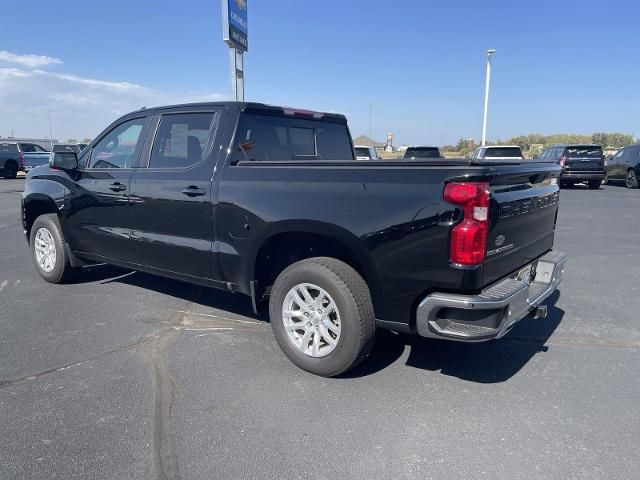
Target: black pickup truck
270	202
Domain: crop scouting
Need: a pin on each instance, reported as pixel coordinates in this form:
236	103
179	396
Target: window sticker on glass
177	144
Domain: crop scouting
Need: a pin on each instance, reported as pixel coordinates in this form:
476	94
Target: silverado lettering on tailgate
519	207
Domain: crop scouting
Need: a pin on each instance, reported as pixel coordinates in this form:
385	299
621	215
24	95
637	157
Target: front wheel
322	316
594	184
47	247
631	180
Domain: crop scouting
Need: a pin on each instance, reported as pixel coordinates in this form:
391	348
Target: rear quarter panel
391	217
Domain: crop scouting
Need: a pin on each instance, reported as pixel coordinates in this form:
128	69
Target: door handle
117	187
193	191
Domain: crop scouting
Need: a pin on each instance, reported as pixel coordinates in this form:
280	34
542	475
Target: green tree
72	140
86	140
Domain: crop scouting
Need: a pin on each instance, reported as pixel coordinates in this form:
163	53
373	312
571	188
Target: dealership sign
235	26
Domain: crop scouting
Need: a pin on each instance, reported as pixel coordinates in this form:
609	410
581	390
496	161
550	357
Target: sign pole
235	34
237	74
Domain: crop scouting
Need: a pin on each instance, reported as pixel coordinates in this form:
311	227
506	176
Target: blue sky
559	67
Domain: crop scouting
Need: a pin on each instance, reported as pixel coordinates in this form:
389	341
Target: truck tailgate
523	212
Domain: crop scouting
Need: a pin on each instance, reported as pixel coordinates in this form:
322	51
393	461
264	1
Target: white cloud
31	61
80	106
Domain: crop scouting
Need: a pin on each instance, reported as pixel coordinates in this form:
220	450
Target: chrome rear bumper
492	313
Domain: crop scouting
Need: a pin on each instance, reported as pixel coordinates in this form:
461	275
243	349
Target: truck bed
394	212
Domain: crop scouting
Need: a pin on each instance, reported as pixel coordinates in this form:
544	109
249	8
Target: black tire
61	270
595	184
10	170
631	181
350	294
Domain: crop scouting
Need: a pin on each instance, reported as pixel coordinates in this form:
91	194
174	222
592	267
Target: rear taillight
469	238
21	160
563	161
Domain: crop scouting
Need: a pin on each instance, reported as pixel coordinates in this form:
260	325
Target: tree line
538	141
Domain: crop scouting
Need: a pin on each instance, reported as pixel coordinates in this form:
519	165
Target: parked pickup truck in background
270	202
20	156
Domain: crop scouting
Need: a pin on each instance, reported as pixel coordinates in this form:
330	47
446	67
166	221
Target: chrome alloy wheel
311	320
45	250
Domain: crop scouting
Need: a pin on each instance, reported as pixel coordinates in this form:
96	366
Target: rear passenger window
271	138
181	140
27	148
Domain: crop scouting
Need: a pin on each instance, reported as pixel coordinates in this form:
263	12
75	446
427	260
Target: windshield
583	152
362	152
422	152
503	152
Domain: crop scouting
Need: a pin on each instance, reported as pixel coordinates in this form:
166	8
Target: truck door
172	195
98	216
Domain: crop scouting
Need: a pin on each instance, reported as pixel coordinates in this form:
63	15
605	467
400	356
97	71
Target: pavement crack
49	371
165	461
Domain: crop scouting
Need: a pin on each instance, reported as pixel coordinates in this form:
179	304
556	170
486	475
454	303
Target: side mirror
63	160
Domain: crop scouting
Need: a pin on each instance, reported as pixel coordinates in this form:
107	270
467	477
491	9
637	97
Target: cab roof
258	109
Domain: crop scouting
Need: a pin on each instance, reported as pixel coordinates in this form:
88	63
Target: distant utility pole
370	119
490	54
50	132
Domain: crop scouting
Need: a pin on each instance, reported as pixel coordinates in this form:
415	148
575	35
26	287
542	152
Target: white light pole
490	54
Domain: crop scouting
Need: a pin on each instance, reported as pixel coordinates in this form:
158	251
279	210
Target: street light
490	54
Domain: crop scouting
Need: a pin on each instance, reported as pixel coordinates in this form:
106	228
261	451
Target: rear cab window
265	138
503	152
422	152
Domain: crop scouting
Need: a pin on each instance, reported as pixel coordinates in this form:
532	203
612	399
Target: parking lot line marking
574	343
220	317
3	284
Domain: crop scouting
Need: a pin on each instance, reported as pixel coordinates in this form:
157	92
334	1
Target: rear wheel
594	184
631	181
322	316
10	170
47	247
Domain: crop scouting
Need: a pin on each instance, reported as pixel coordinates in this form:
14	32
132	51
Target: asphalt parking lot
127	376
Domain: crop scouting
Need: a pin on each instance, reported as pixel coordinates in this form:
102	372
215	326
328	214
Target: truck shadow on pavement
487	362
208	297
